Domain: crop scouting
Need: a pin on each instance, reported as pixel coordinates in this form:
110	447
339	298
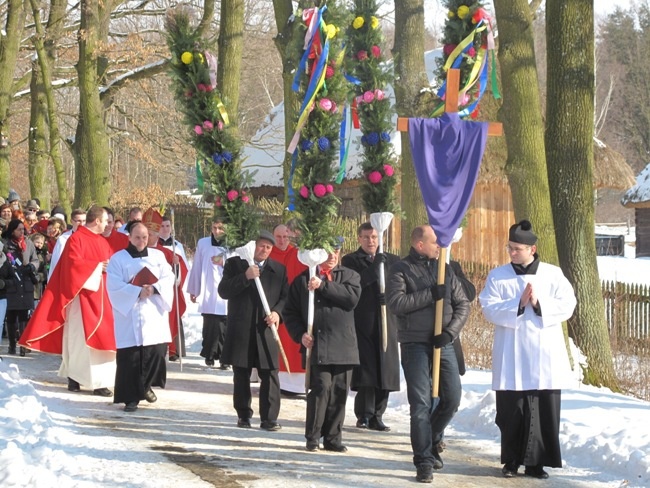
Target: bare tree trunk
523	123
38	144
231	47
569	150
9	46
410	77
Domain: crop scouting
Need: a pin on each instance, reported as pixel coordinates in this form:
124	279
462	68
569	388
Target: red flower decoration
448	49
374	177
376	51
362	55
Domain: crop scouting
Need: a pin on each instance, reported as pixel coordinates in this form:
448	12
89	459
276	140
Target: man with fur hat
527	301
249	339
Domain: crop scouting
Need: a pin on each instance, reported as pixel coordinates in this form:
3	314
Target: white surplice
205	276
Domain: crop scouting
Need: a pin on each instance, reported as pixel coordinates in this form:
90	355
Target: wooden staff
437	328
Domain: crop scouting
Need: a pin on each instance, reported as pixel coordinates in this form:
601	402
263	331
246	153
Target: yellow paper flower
358	22
330	30
187	57
463	11
451	14
374	22
200	57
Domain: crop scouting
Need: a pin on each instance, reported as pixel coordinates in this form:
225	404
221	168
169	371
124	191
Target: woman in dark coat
19	289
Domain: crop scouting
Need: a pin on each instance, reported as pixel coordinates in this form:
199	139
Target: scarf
20	242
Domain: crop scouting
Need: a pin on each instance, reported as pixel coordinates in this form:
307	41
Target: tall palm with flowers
194	75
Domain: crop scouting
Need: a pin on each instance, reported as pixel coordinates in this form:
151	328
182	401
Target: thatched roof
610	168
639	195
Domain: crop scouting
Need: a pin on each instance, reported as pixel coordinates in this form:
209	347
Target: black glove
438	292
442	340
381	298
2	284
380	257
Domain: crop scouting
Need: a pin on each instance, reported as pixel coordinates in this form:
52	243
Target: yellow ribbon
461	47
222	110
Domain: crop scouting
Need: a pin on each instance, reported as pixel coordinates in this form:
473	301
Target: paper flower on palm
448	49
306	145
376	51
362	55
374	22
379	94
245	199
187	57
320	190
385	137
372	138
462	12
217	158
389	170
329	188
374	177
217	202
368	96
329	71
232	195
331	30
325	104
207	125
227	156
479	15
304	191
358	22
199	56
198	129
323	143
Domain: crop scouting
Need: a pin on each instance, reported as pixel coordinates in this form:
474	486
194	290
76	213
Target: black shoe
244	423
131	407
105	392
11	350
150	396
270	425
335	447
437	462
312	446
22	351
536	472
225	367
173	357
378	424
73	385
209	362
441	446
424	473
362	423
509	470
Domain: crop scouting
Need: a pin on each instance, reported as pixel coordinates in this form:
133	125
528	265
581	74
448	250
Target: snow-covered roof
265	153
639	194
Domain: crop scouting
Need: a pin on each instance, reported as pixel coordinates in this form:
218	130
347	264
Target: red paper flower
232	195
198	129
245	199
319	190
329	71
362	55
304	192
325	104
448	49
388	170
376	51
374	177
329	188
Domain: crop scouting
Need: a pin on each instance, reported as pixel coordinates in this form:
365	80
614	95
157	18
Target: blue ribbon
305	55
343	147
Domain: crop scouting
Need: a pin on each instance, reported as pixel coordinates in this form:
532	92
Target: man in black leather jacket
411	294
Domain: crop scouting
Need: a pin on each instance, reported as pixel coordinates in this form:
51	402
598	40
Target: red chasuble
81	255
289	258
173	324
117	241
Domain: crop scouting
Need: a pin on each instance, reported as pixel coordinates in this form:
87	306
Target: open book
144	277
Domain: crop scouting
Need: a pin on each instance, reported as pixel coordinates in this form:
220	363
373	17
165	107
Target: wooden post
494	129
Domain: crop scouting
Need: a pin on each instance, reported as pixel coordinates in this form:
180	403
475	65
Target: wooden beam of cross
494	129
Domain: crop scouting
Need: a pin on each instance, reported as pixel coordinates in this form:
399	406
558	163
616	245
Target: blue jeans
429	418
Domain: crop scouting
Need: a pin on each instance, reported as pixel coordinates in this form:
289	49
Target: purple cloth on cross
447	155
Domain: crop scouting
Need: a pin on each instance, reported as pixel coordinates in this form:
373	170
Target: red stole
173	324
117	241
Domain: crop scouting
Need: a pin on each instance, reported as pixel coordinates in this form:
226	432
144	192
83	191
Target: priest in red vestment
116	240
153	221
284	253
74	317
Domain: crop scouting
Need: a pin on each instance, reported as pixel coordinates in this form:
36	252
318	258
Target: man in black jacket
378	372
411	294
249	339
333	343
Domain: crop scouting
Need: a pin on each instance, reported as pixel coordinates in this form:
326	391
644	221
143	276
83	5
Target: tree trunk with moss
569	154
10	37
410	77
39	186
231	47
283	10
523	124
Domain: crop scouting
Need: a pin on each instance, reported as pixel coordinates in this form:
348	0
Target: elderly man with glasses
527	301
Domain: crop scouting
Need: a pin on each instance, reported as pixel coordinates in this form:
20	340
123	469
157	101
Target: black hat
266	235
522	233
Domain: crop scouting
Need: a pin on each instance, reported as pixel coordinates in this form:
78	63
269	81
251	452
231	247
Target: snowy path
189	438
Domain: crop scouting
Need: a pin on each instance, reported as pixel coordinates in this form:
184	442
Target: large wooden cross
494	129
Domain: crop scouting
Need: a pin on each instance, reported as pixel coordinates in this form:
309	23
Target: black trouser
214	333
370	402
326	399
16	322
269	393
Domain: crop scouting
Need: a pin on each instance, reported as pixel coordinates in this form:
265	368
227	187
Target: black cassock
138	369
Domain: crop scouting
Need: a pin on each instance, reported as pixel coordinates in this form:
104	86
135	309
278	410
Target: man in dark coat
378	372
413	293
333	344
249	339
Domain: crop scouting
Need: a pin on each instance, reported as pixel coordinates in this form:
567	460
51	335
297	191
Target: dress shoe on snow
244	423
509	470
536	472
335	447
131	407
312	446
378	425
209	362
105	392
424	473
73	385
173	357
150	396
270	425
362	423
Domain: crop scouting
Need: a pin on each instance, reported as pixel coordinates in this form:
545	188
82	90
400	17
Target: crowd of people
109	300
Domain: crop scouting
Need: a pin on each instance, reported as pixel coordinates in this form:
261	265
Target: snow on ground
50	437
